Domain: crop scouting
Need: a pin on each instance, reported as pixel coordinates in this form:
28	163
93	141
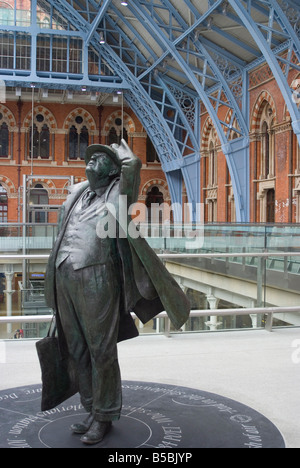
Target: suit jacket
148	288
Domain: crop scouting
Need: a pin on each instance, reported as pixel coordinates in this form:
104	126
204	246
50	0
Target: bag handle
52	327
56	330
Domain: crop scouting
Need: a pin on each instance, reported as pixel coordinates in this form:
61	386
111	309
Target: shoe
83	427
97	432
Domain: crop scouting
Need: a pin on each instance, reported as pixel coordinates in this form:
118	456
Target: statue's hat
112	153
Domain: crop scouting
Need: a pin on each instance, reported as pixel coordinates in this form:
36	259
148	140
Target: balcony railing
225	238
20	310
24	237
268	312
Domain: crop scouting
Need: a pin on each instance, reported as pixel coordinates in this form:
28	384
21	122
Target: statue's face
100	164
100	169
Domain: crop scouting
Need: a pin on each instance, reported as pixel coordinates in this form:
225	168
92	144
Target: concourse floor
255	367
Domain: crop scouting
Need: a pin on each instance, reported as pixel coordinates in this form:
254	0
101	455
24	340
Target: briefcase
59	377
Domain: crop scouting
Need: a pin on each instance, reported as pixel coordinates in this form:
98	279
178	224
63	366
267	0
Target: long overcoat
147	286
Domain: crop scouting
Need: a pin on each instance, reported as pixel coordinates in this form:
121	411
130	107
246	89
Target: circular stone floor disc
153	416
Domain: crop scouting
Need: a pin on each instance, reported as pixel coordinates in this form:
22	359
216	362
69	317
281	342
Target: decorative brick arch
8	185
49	118
47	184
160	183
8	117
206	130
265	96
127	123
88	120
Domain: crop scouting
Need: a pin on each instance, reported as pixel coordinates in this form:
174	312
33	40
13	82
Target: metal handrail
229	255
269	311
24	257
169	255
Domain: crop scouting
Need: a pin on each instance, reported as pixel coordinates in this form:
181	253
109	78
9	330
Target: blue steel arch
264	42
153	120
146	111
234	154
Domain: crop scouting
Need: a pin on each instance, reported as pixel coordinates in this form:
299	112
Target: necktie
87	198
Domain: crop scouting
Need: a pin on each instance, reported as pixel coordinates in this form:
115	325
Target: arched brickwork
8	185
88	120
49	118
47	184
265	96
206	131
160	183
127	123
8	116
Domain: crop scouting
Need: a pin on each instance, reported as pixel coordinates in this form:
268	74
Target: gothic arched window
5	136
40	137
3	205
112	136
41	142
83	142
115	135
264	162
267	142
78	139
213	164
4	140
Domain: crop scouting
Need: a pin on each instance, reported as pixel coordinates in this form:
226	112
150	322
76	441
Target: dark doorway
271	206
153	200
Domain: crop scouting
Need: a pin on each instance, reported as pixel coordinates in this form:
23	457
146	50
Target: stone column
9	293
256	319
213	304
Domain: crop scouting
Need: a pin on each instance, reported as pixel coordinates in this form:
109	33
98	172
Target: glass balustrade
24	238
229	272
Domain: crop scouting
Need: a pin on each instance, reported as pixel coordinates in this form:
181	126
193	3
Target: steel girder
127	81
173	30
170	77
264	36
212	98
70	25
152	118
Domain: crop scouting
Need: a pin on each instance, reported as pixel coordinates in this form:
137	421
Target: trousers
88	303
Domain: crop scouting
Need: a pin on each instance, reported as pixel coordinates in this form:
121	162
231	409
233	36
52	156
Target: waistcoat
81	242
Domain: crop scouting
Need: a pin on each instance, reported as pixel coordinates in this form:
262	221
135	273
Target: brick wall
264	97
58	118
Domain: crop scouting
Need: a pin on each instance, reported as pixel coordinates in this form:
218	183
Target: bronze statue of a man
93	283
